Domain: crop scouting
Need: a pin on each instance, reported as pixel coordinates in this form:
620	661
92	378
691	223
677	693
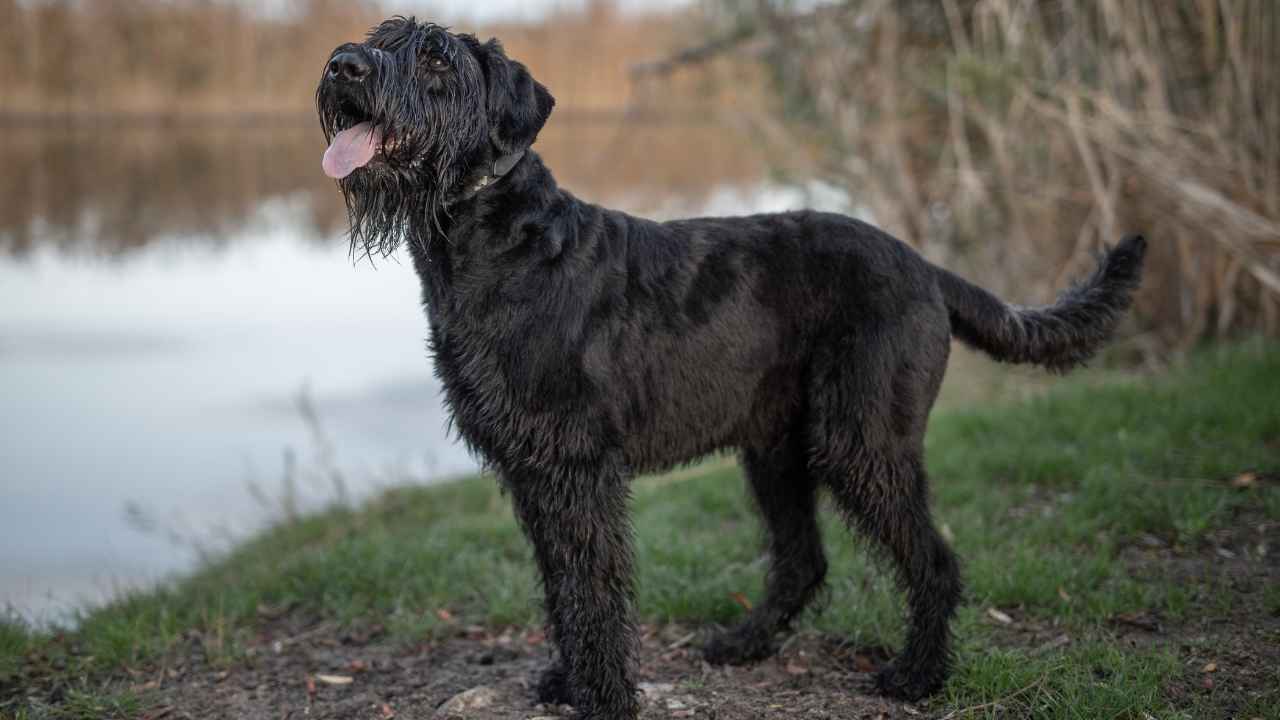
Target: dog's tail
1058	336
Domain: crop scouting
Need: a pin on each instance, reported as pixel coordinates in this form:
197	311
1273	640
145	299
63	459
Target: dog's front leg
581	534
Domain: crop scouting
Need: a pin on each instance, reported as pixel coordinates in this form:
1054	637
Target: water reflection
110	191
113	189
164	294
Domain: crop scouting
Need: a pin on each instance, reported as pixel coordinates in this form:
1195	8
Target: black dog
579	346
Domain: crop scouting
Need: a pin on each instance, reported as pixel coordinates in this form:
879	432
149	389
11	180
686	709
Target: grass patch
1095	680
1039	497
15	640
80	704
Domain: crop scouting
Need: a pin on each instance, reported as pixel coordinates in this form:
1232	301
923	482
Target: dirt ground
316	672
295	668
1229	638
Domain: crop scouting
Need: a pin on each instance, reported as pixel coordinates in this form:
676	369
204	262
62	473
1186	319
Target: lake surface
187	347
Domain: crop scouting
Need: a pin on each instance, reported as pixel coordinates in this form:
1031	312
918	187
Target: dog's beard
382	209
427	143
397	200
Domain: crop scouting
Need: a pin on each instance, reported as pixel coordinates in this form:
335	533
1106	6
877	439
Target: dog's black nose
349	66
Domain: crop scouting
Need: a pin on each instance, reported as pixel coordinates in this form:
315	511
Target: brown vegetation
1017	137
191	58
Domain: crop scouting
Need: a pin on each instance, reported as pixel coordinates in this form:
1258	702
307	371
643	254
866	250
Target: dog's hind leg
868	408
785	495
887	503
579	526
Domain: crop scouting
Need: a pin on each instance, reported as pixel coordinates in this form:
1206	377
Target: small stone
481	696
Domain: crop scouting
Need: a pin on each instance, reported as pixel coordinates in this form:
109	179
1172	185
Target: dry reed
195	58
1014	137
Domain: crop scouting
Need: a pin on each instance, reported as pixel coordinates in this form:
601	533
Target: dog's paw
739	646
553	686
896	683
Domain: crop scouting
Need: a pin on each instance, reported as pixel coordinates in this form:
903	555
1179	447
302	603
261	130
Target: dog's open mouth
354	148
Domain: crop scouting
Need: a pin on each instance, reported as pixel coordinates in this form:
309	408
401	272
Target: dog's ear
518	105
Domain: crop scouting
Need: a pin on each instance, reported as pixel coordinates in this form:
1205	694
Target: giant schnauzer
579	346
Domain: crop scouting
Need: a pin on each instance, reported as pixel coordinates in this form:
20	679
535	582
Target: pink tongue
350	149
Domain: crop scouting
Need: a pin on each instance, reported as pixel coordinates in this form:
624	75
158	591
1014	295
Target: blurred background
187	349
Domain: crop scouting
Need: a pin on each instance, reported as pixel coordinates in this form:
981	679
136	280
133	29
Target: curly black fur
579	346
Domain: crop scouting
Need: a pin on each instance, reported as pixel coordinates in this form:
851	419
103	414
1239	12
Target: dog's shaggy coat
579	346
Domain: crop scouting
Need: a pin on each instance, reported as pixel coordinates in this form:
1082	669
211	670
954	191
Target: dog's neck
513	209
524	187
487	176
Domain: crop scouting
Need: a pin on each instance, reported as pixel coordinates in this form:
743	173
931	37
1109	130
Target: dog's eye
437	63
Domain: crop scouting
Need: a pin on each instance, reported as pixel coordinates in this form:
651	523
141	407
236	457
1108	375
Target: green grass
1038	495
94	705
1091	680
15	640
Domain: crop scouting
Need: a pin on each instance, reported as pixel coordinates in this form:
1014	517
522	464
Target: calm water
168	298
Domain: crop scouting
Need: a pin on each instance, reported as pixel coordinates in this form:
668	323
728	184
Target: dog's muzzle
355	146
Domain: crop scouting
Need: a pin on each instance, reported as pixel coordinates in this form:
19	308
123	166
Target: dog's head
411	115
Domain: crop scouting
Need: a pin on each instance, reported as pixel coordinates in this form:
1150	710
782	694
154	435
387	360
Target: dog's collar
501	166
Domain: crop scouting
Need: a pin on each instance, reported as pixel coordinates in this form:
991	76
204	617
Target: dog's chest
518	392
